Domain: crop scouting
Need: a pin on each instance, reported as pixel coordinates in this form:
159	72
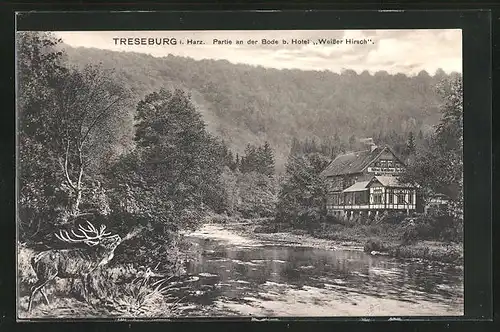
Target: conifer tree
410	144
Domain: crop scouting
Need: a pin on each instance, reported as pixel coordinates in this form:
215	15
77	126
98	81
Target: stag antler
84	235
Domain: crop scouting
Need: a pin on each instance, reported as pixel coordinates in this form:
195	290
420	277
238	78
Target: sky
394	51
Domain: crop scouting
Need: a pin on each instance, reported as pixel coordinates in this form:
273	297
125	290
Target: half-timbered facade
366	182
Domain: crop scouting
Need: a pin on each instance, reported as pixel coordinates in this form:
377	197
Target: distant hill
246	104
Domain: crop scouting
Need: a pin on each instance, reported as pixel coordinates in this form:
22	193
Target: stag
74	262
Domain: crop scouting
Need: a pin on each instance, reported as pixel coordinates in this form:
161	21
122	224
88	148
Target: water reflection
239	273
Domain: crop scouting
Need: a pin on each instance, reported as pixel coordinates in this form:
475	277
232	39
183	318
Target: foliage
374	245
446	254
439	225
70	124
250	195
248	183
38	66
438	168
257	195
168	182
390	217
258	159
246	104
303	193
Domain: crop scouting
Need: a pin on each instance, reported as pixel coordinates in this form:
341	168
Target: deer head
90	236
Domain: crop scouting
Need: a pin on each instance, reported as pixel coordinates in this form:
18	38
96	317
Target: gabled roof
358	186
354	162
391	181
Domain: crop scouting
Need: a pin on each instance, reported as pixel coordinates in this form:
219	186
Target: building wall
376	198
385	164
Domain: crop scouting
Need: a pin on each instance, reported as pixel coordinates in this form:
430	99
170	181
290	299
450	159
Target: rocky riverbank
374	239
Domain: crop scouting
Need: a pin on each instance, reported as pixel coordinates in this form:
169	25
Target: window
377	198
390	199
390	163
410	198
401	198
349	199
361	197
335	199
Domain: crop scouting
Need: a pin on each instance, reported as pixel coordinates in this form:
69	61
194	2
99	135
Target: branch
79	185
66	168
82	215
86	103
97	119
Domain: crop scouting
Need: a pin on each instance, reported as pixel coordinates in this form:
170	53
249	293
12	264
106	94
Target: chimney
369	142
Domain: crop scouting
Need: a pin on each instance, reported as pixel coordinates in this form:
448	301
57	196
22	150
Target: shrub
447	254
392	217
121	289
374	245
25	275
437	225
374	229
339	220
219	219
327	231
129	291
256	195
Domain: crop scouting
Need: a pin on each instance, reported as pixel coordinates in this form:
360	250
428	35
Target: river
234	275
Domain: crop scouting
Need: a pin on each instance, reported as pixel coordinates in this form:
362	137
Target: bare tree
90	107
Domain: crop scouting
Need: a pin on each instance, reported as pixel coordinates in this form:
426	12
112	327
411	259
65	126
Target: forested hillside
245	104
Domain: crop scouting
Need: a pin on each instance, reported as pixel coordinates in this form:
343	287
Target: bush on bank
121	289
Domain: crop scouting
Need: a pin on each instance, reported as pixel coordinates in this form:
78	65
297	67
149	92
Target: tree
258	159
267	160
439	167
302	197
420	136
256	195
89	105
39	64
410	146
249	160
352	142
69	121
176	148
237	163
295	147
174	175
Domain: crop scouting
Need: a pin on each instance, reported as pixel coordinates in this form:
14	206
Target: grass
434	251
119	290
388	238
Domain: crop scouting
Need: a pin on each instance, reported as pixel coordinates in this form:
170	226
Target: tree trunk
75	206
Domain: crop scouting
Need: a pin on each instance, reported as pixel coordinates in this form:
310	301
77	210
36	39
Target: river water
230	275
